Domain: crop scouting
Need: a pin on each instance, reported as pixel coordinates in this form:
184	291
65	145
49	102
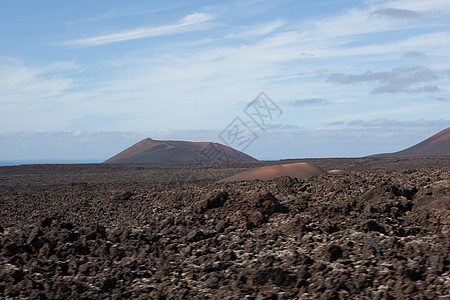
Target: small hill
297	170
437	145
153	151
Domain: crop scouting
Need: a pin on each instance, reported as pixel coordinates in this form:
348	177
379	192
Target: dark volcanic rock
213	200
334	252
267	204
277	276
373	234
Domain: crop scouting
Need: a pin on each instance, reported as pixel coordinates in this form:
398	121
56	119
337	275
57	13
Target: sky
83	80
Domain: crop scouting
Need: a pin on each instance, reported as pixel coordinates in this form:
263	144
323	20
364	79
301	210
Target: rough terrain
378	230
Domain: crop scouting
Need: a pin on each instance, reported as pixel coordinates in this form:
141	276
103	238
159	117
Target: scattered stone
213	200
195	235
109	284
123	196
372	225
334	252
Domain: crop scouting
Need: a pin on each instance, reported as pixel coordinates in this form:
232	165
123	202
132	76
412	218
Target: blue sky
86	79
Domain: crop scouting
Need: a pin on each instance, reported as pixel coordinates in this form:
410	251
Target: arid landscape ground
377	230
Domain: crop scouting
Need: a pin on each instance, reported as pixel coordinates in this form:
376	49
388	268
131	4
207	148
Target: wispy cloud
442	99
19	82
389	123
397	13
421	6
413	54
189	23
336	123
309	101
124	12
403	79
102	16
258	30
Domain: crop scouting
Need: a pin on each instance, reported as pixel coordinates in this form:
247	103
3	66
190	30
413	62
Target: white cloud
353	22
422	6
196	18
22	83
389	123
258	30
424	107
404	79
413	54
397	13
192	22
434	44
309	101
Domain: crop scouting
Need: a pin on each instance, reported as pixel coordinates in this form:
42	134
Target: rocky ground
372	232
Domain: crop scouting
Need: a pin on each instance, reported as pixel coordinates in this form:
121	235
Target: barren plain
377	230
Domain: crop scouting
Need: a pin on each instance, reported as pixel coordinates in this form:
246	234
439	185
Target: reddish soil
295	170
378	230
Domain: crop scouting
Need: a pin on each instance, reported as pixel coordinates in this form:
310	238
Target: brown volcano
153	151
436	145
297	170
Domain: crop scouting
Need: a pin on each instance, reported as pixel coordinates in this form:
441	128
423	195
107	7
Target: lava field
378	230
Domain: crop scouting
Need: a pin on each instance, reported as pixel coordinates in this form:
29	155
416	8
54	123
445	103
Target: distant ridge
153	151
436	145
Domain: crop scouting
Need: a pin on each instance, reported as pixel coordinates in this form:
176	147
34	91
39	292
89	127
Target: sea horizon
19	162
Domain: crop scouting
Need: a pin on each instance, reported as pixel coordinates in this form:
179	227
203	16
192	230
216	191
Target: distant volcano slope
153	151
437	145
